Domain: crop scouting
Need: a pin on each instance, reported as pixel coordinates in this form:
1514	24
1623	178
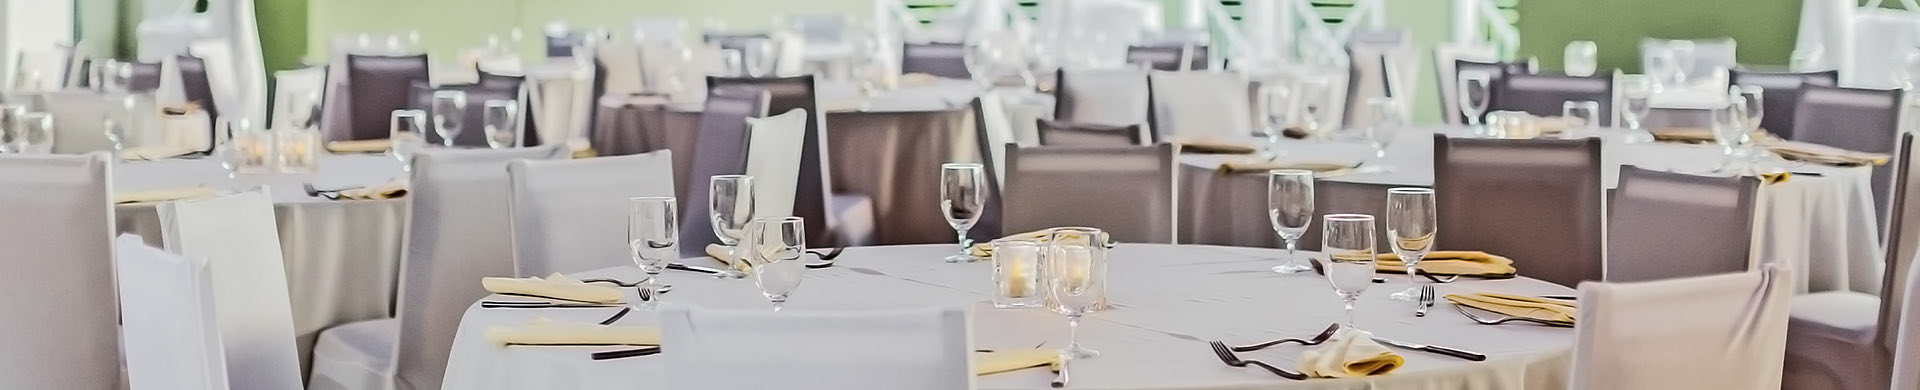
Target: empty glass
1314	96
962	198
982	60
449	110
1411	224
1635	92
407	135
115	124
1290	209
653	238
1581	58
1277	106
774	246
500	119
758	58
10	133
1753	99
1580	115
1682	57
1476	92
1729	130
36	133
1076	280
1348	241
730	208
1016	274
1387	123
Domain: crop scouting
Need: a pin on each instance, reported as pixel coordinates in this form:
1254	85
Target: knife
694	268
1060	379
1474	356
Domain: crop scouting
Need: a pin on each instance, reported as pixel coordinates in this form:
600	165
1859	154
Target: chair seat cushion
357	355
1844	316
853	217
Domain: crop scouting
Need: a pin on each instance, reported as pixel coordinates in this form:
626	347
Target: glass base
1077	351
962	258
1292	268
1410	294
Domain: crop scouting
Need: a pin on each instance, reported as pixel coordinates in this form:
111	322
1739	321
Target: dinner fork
1448	279
1426	300
1316	340
1505	319
1226	356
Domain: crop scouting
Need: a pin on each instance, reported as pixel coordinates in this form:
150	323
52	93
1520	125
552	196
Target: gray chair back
1866	120
1057	133
1544	94
1117	97
1074	186
473	132
1896	285
1781	92
561	45
195	83
373	92
1168	56
1496	77
1535	201
144	77
991	219
815	188
720	150
939	59
1670	225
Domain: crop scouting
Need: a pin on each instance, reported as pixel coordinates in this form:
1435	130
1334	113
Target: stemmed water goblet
1348	240
1411	225
1290	210
653	231
962	198
775	245
731	208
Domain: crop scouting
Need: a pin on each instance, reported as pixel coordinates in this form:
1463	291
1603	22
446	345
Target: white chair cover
571	215
1201	105
171	338
773	159
224	82
237	235
1448	83
1881	40
1383	63
63	336
41	70
1729	332
621	62
1906	351
560	101
922	349
666	30
310	82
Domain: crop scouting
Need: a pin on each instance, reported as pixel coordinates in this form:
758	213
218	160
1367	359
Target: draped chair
1781	93
472	119
310	83
835	219
721	149
374	91
1383	63
169	334
1721	331
1671	225
922	348
571	215
1175	56
620	62
1201	105
1056	133
1447	61
1866	120
993	132
1543	94
143	76
1495	195
198	85
251	307
939	59
1075	186
69	339
1114	97
773	159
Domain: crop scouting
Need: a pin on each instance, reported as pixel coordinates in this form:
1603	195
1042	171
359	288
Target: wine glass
499	118
1387	122
115	124
1313	103
1411	225
232	153
774	246
735	60
36	133
1753	98
759	58
1580	58
407	134
1728	128
962	198
1076	261
1476	92
1580	115
1636	92
653	237
1348	241
449	110
1681	53
730	208
1277	102
1290	209
10	116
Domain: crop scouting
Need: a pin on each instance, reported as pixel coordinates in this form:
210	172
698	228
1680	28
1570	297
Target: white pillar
1467	29
1266	24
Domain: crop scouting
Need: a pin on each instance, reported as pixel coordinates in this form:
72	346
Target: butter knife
694	268
1463	354
1060	379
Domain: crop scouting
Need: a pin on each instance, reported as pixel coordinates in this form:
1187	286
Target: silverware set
1504	319
1426	300
1316	340
1226	356
1459	353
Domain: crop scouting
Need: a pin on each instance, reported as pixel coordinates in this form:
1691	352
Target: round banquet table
1168	300
1823	225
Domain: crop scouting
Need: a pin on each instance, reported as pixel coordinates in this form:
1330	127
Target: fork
1316	340
1426	300
1505	319
1226	356
1449	279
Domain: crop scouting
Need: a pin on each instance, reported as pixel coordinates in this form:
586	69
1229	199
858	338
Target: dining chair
1497	73
1446	67
373	88
1052	186
1780	94
1667	225
935	58
143	76
814	200
921	348
1201	105
458	231
251	306
1116	97
993	132
773	159
1171	56
571	215
561	40
224	81
1846	339
621	60
1495	194
559	102
1866	120
1727	333
1906	347
1382	62
472	117
721	149
1543	94
197	84
1057	133
70	339
168	330
309	82
1708	55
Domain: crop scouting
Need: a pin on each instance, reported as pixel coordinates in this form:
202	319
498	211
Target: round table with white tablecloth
1168	300
1823	226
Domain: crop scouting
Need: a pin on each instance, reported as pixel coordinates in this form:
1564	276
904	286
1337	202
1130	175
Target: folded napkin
1468	263
146	153
1350	354
989	363
1695	135
985	249
918	80
1206	146
1825	155
556	286
587	152
360	146
1256	165
1551	310
724	254
1776	177
1551	124
162	195
543	331
389	190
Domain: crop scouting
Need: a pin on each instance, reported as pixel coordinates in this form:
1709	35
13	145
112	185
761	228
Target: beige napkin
1553	310
989	363
1207	146
389	190
360	146
985	249
147	153
918	80
724	254
1695	135
587	152
1350	354
162	195
1469	263
543	331
556	286
1825	155
1257	165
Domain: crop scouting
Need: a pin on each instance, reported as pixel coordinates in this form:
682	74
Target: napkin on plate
389	190
985	249
360	146
543	331
1208	146
1551	310
1825	155
148	153
162	195
989	363
724	254
1258	165
556	286
1468	263
1350	354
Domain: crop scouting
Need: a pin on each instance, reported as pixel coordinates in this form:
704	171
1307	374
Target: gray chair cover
198	87
1168	56
1497	76
721	150
1057	133
61	330
939	59
473	132
145	77
1075	186
1117	97
1781	94
1535	201
814	200
1866	120
373	92
1544	94
1671	225
507	82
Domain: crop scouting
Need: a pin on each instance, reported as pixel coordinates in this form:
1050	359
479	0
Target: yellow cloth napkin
360	146
1553	310
724	254
985	249
543	331
1350	354
918	80
557	286
585	153
1825	155
388	190
144	153
1684	135
162	195
1206	146
1256	165
1469	263
1775	178
989	363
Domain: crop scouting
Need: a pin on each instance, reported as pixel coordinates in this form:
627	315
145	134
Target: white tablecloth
1168	300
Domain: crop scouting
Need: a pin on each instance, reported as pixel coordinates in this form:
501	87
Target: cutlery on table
539	305
1463	354
1226	356
826	258
664	288
1448	279
1505	319
1426	300
1562	297
716	272
333	194
626	353
1316	340
1060	378
616	316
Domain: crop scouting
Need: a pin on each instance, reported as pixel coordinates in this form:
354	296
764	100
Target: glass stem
1073	332
1413	273
781	303
1349	301
964	248
1291	258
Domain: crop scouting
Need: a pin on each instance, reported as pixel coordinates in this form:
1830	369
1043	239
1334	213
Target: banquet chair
143	77
1846	339
1780	94
169	334
561	40
1057	133
1446	66
1497	73
374	89
1051	186
251	306
310	82
824	34
1543	94
1201	105
224	81
1866	120
571	215
1906	357
472	119
721	149
1494	195
457	232
935	58
69	340
993	133
197	84
1115	97
773	159
1667	225
621	63
920	348
1175	56
833	218
1382	63
1734	328
1708	55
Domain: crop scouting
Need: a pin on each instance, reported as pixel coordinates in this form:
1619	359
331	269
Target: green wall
1764	29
